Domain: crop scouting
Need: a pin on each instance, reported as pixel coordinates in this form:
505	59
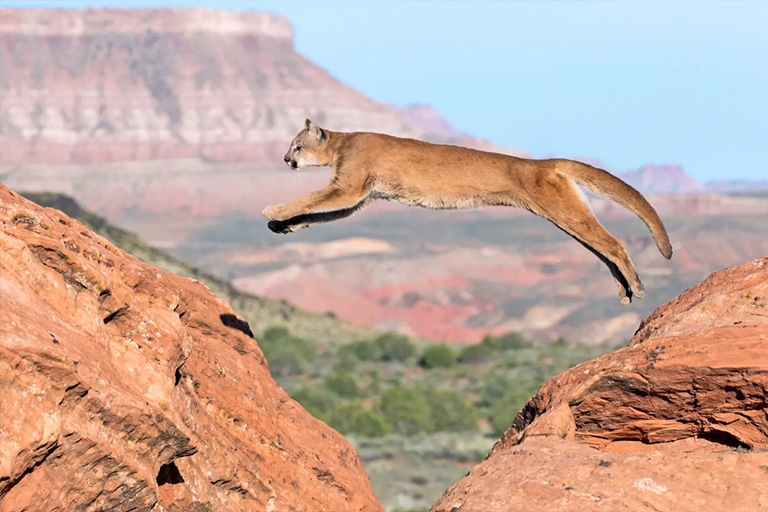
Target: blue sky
626	82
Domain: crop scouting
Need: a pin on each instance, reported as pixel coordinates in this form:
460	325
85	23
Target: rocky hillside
125	387
105	85
677	420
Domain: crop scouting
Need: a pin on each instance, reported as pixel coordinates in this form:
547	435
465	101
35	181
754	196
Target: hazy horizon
627	83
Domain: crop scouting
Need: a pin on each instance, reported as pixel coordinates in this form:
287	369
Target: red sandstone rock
677	420
123	387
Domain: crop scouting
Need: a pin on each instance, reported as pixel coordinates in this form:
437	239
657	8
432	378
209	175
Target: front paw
284	228
274	213
278	227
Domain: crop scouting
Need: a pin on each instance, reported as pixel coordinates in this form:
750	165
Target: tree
283	361
437	356
286	354
351	417
496	385
394	347
509	341
406	410
505	409
343	384
369	424
318	401
450	411
351	353
476	354
275	333
365	350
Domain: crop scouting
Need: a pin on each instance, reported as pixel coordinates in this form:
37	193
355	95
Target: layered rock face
677	420
112	85
123	387
93	86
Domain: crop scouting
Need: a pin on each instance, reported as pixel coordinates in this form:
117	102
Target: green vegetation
387	385
421	414
286	354
406	410
394	347
343	384
477	354
437	356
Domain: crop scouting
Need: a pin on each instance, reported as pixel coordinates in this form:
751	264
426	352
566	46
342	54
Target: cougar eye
297	148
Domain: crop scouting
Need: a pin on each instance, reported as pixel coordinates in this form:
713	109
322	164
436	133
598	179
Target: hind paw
625	294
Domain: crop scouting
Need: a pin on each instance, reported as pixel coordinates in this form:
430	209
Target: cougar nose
286	158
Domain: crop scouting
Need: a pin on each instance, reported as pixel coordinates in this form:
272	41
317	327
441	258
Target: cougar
369	166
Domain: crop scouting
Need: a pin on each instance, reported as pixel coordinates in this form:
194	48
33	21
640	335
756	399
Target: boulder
676	421
127	388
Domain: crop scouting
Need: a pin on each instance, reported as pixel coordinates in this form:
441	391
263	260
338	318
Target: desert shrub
360	350
279	336
509	341
476	354
345	363
406	410
369	424
506	408
318	401
352	418
437	356
374	386
274	333
495	386
343	384
283	361
450	411
394	347
286	354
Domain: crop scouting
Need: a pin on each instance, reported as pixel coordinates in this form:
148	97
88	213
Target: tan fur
369	166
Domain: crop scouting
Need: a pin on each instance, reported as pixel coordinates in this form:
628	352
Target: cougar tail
606	184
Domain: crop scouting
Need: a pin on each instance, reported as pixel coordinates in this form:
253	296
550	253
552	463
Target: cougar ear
315	131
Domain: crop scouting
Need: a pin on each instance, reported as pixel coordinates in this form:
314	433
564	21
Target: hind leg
623	288
575	218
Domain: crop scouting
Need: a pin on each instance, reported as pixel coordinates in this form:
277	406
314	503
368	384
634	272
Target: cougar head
308	148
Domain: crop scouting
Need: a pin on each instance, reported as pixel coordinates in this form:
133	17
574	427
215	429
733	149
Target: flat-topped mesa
84	22
113	85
